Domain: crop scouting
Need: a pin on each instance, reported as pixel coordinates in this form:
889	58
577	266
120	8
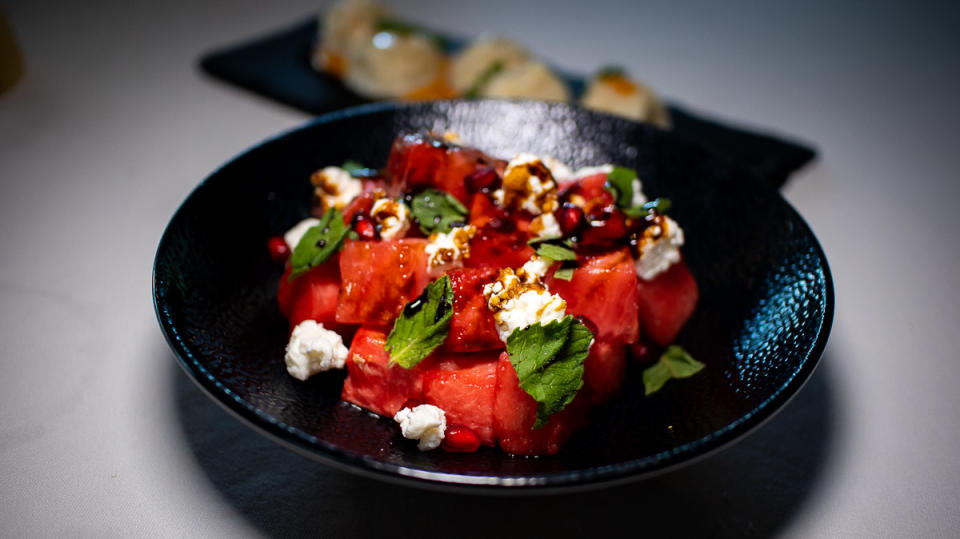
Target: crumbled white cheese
312	349
393	217
335	187
293	236
659	247
591	171
545	226
560	171
529	308
426	423
520	299
535	268
527	185
446	251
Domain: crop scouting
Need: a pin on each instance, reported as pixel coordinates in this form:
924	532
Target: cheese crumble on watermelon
495	301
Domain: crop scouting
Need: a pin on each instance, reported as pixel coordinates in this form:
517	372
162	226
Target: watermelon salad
483	302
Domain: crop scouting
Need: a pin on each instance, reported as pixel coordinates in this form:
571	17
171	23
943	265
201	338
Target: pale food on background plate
380	57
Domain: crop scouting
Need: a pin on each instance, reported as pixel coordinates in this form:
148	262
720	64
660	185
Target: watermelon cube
604	369
514	413
463	386
472	327
312	296
666	303
379	278
604	290
373	383
417	162
498	247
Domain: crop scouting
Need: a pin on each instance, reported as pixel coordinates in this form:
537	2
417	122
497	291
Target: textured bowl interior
765	310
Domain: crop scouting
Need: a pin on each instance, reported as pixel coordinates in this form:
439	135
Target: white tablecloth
113	124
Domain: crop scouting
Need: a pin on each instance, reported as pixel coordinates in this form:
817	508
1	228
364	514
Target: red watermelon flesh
498	247
591	189
462	385
472	327
604	290
483	210
372	383
312	296
514	413
379	278
417	162
666	303
360	205
604	370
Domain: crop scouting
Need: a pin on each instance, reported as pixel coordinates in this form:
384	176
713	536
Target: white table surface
101	434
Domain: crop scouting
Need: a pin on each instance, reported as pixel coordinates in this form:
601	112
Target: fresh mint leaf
659	205
544	239
423	325
474	91
620	185
319	243
564	274
675	362
555	252
437	211
549	363
357	170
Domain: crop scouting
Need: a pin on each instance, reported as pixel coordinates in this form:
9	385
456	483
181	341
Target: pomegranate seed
482	178
642	352
608	229
460	439
279	251
411	403
571	219
365	227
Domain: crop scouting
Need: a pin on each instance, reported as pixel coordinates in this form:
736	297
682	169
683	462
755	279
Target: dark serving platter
277	66
761	325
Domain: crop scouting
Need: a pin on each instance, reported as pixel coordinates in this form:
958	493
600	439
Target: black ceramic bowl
761	325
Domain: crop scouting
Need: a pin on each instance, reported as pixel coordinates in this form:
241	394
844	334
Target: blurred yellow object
11	65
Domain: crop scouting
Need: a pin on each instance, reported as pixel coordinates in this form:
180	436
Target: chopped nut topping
659	226
545	225
527	185
447	250
658	247
335	187
392	217
519	298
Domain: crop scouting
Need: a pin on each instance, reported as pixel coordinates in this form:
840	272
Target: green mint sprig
423	325
358	170
437	211
620	185
319	243
549	363
675	362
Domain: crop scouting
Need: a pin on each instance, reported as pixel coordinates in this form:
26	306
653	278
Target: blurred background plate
278	66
